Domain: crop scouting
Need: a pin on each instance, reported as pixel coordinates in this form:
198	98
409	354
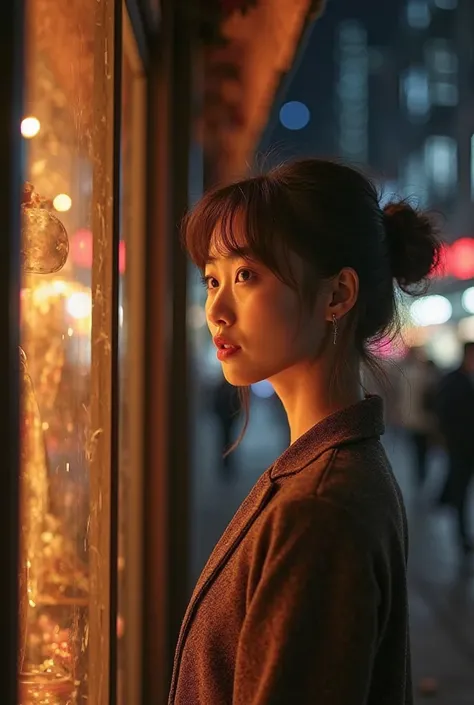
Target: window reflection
56	315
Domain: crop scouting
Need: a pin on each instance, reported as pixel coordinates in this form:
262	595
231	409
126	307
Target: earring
334	329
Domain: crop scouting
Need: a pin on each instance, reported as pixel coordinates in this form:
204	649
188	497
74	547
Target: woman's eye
244	275
209	282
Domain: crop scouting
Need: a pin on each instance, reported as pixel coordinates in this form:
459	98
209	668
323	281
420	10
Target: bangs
248	219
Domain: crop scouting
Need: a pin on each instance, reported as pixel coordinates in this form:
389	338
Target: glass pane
131	265
58	441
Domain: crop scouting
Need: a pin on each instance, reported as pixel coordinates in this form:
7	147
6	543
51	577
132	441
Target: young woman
304	599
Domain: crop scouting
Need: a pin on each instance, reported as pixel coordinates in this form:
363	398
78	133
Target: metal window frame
130	607
11	74
104	463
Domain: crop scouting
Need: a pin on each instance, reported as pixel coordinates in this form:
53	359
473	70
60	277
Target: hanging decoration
45	243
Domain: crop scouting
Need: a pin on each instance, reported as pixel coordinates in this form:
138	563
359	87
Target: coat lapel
236	530
238	526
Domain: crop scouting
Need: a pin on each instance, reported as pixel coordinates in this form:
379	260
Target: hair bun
413	242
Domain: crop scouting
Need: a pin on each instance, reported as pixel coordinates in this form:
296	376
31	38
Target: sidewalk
441	594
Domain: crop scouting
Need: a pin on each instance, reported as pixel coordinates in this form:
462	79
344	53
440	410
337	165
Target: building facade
436	67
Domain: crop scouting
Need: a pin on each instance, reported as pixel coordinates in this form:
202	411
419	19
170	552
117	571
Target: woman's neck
310	393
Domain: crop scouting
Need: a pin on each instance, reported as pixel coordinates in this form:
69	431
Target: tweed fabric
304	599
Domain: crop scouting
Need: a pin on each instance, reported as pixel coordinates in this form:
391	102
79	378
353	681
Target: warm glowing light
79	305
62	202
70	332
60	286
30	126
445	348
44	292
466	328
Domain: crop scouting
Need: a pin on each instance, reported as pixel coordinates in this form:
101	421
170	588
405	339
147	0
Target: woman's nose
220	311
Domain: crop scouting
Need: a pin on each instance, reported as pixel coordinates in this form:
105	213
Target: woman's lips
224	353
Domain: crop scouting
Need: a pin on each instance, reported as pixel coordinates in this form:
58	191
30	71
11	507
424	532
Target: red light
82	249
460	259
122	256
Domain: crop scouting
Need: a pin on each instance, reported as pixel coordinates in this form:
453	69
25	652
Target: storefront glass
66	352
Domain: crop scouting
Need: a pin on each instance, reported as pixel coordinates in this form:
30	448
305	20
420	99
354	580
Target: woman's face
250	309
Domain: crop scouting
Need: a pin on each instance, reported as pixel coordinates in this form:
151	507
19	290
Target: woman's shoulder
350	488
312	530
345	469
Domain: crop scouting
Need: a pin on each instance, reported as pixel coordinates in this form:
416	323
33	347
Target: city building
436	117
434	138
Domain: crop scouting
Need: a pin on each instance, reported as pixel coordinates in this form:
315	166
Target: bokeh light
294	115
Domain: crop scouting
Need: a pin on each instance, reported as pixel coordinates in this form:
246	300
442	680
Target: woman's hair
330	215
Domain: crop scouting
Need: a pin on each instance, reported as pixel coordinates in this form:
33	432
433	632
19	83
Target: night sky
314	80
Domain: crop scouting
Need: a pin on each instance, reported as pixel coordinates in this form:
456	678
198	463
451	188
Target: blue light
263	389
294	115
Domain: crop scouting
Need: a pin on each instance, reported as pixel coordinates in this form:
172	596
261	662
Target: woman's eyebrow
245	253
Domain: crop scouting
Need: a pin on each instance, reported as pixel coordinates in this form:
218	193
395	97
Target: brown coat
304	599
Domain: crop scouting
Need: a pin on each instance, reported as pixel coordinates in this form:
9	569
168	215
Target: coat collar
355	423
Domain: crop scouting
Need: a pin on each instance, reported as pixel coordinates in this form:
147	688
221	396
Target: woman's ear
343	293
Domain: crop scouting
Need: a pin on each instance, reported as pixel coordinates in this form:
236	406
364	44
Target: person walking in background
418	387
455	408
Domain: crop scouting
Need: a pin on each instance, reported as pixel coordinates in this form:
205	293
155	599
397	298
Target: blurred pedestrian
417	399
455	407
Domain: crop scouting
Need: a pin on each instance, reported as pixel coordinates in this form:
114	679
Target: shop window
67	313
